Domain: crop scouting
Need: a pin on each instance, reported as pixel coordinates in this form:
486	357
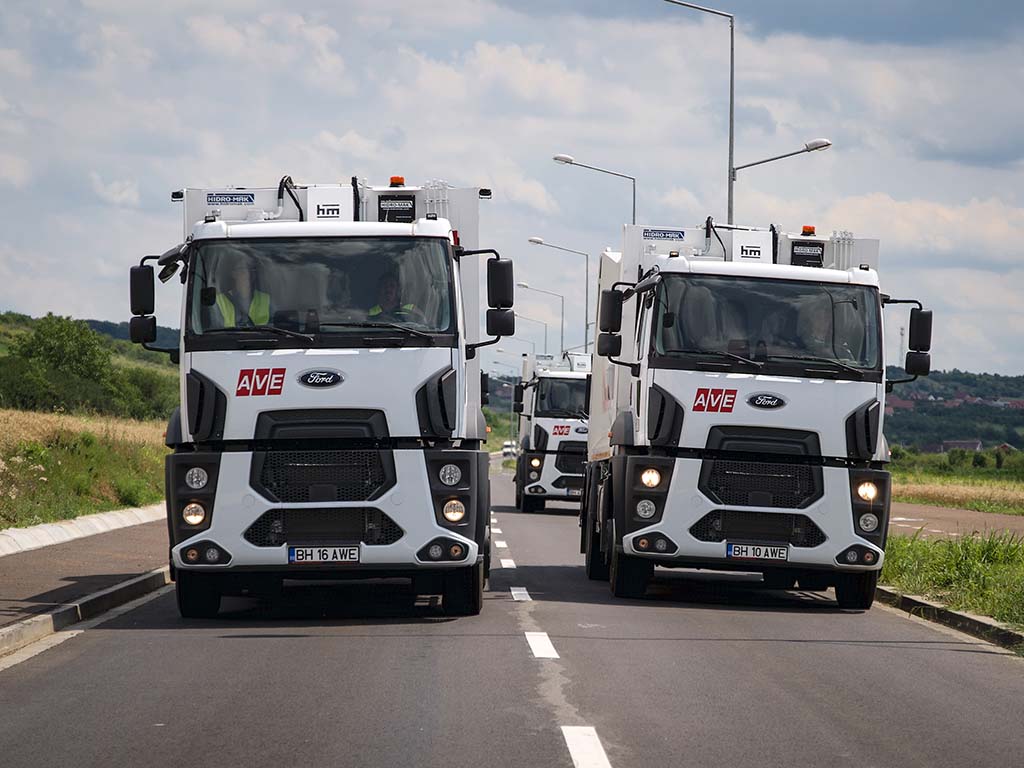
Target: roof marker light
808	231
398	181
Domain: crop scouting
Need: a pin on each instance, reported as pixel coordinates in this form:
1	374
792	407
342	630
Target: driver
238	301
389	299
814	327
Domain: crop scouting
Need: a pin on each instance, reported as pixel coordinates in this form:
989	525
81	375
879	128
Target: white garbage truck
551	400
736	409
330	424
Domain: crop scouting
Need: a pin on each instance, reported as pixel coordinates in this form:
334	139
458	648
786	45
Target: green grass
986	482
499	422
977	574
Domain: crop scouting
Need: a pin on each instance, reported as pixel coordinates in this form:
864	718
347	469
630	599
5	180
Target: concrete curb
20	634
15	540
978	626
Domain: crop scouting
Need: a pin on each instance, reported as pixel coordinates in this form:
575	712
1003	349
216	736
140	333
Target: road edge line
19	634
982	627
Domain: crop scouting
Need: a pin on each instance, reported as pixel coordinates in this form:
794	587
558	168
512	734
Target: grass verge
55	467
978	574
1005	496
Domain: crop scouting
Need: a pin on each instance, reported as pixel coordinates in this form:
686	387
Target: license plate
756	552
575	491
323	554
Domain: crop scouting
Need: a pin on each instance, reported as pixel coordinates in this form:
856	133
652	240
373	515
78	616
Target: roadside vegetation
499	422
987	481
977	574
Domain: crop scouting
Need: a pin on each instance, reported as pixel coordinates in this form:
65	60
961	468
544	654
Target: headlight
651	477
867	491
450	474
645	508
196	478
454	511
868	522
534	462
193	513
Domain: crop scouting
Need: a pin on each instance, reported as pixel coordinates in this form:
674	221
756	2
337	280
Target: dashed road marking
520	594
501	545
908	519
508	563
585	747
495	530
541	645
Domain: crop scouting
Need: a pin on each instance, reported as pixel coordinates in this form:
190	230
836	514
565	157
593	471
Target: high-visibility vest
377	309
259	309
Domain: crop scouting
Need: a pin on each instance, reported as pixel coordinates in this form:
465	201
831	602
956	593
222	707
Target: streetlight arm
771	159
562	248
604	170
701	8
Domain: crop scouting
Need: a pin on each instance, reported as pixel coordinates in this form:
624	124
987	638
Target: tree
67	346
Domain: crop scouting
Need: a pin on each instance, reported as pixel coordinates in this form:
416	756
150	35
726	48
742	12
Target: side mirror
920	330
501	322
142	295
609	316
485	389
500	284
668	319
609	344
918	363
517	407
142	330
517	393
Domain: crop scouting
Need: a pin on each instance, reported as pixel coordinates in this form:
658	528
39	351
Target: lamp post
814	145
532	320
570	160
560	296
511	400
586	282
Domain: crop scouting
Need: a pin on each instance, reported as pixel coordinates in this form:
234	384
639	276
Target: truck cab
737	406
330	424
551	400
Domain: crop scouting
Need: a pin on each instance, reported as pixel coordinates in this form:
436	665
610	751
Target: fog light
651	477
645	508
851	556
450	474
869	557
212	555
642	544
454	510
534	476
661	545
868	522
196	478
455	551
435	552
867	491
192	554
193	513
534	462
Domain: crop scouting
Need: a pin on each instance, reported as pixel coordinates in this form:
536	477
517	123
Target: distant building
967	445
1005	448
898	403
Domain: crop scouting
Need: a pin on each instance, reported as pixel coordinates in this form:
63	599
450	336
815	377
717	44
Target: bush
68	347
130	491
979	460
956	457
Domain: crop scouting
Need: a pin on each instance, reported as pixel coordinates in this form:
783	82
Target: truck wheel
464	591
529	504
856	591
780	579
487	557
519	493
814	582
596	565
198	595
628	576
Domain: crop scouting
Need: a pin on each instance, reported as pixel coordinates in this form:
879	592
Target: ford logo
320	377
764	400
581	430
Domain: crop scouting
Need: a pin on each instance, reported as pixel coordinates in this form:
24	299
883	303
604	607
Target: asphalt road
702	673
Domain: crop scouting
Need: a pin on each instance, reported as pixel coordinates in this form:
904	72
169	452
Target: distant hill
165	337
950	384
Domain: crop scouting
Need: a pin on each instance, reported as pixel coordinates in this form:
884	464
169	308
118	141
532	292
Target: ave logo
714	400
560	430
260	381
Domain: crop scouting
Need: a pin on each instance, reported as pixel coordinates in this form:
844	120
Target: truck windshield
287	288
561	397
782	327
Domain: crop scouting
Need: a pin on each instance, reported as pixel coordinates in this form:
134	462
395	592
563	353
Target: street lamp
520	316
586	282
570	160
814	145
560	296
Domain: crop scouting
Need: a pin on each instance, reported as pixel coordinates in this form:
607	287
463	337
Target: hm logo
750	251
328	211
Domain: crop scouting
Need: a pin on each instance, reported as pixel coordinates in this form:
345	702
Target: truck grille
761	484
296	477
570	457
774	527
568	481
315	526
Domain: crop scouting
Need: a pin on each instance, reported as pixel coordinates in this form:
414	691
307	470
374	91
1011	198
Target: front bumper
684	505
552	484
408	502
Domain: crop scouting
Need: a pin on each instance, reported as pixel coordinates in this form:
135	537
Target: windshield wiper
566	413
719	353
826	360
260	329
395	326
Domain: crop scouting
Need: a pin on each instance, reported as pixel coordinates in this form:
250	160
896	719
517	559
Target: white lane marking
541	645
508	563
908	519
584	747
495	530
501	545
51	641
520	593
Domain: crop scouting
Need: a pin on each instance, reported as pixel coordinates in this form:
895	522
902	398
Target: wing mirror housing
609	316
142	330
920	331
918	363
500	284
609	344
501	322
143	299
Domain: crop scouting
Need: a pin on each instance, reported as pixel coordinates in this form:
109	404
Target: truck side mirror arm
142	328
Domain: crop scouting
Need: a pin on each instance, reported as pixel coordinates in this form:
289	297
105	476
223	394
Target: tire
596	565
519	493
627	575
198	595
814	582
780	579
530	504
856	591
487	557
464	591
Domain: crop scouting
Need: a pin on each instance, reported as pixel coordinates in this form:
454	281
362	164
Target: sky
108	105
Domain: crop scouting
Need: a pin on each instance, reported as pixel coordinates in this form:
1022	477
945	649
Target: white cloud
14	170
119	193
14	63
